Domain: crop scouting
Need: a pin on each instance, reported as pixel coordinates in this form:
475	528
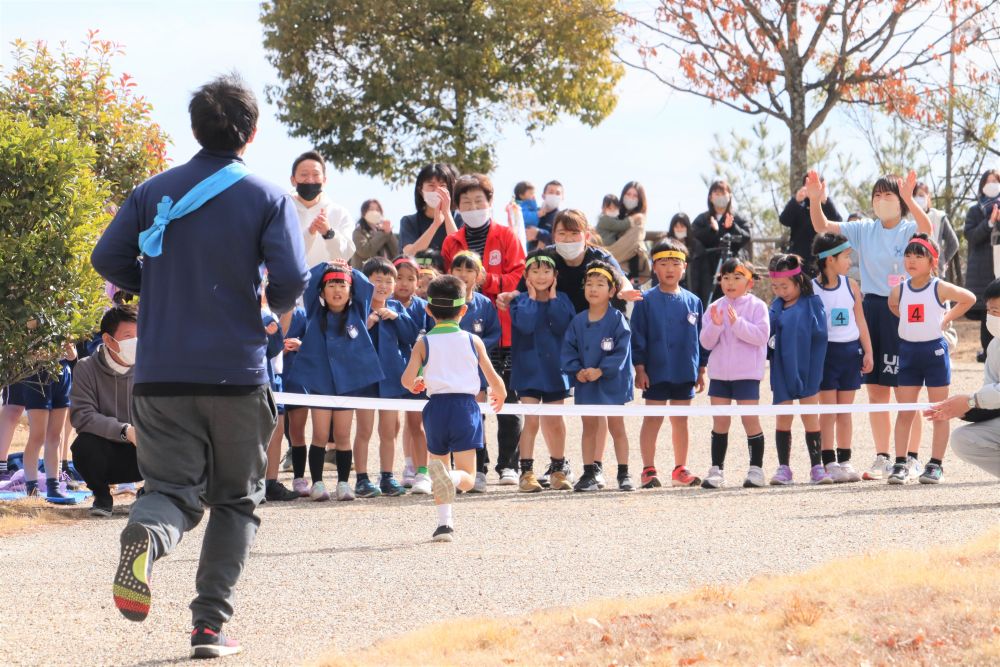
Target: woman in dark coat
982	227
710	229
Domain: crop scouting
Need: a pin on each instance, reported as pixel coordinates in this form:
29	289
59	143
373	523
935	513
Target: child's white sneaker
715	479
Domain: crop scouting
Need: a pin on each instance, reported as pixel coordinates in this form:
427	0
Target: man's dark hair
123	312
553	184
992	291
445	288
309	155
224	113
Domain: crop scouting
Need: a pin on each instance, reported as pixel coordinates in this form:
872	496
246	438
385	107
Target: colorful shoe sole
131	585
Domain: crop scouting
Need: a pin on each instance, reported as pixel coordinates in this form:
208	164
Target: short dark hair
439	170
522	187
822	243
992	291
667	243
469	182
729	266
448	288
890	183
601	264
550	184
919	249
309	155
435	257
224	113
609	201
122	312
790	262
379	265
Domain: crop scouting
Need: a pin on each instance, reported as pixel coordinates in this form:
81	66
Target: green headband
446	303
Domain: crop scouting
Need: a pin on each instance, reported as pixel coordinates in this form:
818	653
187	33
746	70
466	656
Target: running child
848	350
597	354
337	358
539	319
668	357
735	329
798	342
919	303
447	363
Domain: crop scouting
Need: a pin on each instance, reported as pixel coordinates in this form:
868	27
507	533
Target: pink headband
786	274
400	261
930	248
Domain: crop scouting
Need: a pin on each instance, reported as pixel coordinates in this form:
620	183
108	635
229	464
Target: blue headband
834	251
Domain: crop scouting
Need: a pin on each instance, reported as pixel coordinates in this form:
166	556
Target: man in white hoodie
327	229
101	409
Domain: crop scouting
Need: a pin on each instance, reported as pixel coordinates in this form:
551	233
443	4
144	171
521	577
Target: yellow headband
603	273
470	255
670	254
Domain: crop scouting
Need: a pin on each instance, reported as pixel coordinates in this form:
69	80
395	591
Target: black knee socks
814	444
344	459
720	443
299	455
843	455
783	443
755	444
316	461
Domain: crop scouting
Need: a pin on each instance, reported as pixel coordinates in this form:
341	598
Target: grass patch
20	516
940	607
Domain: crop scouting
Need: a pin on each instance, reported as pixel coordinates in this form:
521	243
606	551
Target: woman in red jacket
503	264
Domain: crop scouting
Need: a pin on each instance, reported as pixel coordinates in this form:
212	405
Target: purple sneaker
819	475
14	484
782	476
6	475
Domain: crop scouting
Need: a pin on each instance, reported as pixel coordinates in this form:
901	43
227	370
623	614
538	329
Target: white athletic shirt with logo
920	312
838	302
452	365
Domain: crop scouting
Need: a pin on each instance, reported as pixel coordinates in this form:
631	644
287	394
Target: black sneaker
587	482
443	534
209	642
102	506
278	492
625	483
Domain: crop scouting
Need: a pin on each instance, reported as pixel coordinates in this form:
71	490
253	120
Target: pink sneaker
300	486
819	475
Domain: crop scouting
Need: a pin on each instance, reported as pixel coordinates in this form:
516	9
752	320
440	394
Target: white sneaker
300	486
914	468
879	469
409	473
421	484
286	461
715	479
344	491
480	485
128	487
836	472
599	477
850	474
755	478
508	477
319	492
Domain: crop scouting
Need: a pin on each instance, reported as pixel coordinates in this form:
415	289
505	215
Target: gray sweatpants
979	444
197	451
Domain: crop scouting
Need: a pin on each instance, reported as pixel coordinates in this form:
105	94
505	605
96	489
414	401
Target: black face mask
308	191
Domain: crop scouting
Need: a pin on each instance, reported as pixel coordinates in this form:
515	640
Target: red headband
399	261
336	275
926	244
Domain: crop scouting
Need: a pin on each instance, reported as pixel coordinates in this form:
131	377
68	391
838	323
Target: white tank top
920	312
838	301
452	365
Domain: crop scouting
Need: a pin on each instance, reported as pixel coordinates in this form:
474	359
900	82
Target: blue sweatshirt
394	345
481	319
666	334
275	346
207	281
605	344
529	211
418	313
537	330
337	357
799	341
296	329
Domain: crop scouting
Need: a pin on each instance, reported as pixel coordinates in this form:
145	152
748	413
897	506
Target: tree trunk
798	158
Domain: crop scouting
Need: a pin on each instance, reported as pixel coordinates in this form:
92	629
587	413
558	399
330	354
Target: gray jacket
989	394
101	399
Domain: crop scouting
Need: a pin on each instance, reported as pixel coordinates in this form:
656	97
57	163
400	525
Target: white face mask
552	201
886	209
993	325
571	250
431	198
720	201
126	350
630	203
476	218
921	201
373	218
992	190
680	234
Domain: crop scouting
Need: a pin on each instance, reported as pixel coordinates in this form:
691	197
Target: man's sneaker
898	474
587	482
278	492
528	483
782	476
932	474
363	488
209	642
102	507
443	534
508	477
319	492
715	479
441	482
421	485
648	478
344	491
879	469
128	487
849	472
390	487
301	487
131	586
286	461
599	475
560	481
330	459
755	478
480	485
836	473
683	477
819	475
625	483
913	468
409	475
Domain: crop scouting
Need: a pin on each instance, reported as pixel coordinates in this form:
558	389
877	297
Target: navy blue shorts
669	391
924	364
543	396
40	392
735	390
842	368
453	423
884	329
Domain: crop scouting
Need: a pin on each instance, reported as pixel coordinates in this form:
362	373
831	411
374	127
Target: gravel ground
342	575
